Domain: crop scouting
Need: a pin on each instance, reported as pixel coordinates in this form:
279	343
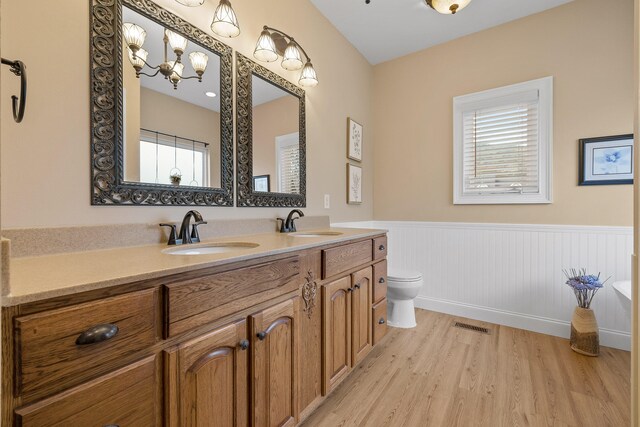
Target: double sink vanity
241	330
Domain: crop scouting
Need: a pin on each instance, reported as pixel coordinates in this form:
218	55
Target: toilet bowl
402	288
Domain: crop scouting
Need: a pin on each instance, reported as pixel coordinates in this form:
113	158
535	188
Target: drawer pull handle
381	321
261	335
244	344
357	286
96	334
381	280
381	247
111	425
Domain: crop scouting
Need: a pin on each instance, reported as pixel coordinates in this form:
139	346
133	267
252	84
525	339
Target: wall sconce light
273	43
225	21
135	36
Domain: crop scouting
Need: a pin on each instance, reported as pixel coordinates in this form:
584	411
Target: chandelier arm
289	39
190	77
149	75
145	62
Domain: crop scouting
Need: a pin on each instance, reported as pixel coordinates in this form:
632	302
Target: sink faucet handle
283	229
172	234
195	237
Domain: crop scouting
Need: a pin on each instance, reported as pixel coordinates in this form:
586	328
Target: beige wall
132	120
173	116
585	45
45	160
272	119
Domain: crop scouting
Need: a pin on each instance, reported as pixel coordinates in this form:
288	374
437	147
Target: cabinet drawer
50	360
379	281
344	258
379	321
380	247
127	397
200	301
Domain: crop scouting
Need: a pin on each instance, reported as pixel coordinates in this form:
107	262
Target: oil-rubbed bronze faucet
184	236
289	225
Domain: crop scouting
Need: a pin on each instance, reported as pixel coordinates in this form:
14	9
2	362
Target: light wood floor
437	375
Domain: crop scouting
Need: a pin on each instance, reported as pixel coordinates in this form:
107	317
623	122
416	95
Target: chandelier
172	70
273	43
225	22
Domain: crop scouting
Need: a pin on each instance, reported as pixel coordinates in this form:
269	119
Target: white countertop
37	278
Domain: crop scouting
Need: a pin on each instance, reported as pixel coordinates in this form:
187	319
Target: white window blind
501	149
288	163
502	145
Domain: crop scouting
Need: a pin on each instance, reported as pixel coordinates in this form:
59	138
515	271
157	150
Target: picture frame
354	184
262	183
606	160
354	140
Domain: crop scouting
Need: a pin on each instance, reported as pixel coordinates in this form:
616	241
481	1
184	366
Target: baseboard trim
558	328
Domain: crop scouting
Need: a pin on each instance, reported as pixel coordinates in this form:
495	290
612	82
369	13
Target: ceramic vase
585	337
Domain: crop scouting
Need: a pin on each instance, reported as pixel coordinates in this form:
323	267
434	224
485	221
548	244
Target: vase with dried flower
585	336
175	178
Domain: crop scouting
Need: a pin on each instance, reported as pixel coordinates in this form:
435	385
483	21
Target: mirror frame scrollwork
107	152
245	195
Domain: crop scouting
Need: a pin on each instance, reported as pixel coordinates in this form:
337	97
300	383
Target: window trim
464	103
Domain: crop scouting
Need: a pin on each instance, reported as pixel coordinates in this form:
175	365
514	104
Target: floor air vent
471	327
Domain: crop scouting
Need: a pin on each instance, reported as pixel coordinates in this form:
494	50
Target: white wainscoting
511	274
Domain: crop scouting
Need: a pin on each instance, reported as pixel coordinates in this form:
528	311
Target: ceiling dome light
308	77
292	59
134	35
210	94
265	48
225	22
191	3
448	7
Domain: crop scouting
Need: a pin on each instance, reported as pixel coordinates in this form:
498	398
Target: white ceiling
387	29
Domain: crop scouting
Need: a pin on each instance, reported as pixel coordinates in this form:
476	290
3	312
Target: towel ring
19	69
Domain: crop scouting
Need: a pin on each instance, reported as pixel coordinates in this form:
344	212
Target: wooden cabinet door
128	397
361	334
336	310
273	349
208	379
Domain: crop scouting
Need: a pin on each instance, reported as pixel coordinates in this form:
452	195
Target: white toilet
402	288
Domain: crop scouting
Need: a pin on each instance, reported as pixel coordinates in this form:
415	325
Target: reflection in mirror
276	138
171	107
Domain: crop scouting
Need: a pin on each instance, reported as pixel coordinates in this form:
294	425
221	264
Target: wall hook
19	69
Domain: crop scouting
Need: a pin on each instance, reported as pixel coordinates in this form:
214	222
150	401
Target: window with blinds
288	163
502	145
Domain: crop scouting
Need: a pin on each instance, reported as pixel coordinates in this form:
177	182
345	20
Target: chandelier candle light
273	43
135	36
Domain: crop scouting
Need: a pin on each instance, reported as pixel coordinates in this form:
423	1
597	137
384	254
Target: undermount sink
316	234
210	248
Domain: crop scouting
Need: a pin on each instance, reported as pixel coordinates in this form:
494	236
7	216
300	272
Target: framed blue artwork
606	160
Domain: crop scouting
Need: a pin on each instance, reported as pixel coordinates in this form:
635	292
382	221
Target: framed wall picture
262	183
354	140
354	184
606	160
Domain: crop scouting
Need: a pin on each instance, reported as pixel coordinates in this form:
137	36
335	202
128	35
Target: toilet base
401	314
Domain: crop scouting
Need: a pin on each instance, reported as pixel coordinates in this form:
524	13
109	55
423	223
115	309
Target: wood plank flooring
438	375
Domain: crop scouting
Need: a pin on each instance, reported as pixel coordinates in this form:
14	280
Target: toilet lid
404	275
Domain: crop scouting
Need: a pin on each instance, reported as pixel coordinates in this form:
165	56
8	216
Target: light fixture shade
292	59
139	60
176	75
225	22
308	77
134	35
448	7
265	48
191	3
177	42
199	61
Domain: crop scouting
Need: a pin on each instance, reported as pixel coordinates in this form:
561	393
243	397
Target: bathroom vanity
252	336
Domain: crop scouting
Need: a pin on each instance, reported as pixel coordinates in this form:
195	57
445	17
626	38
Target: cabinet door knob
261	335
381	280
381	321
244	344
349	289
357	286
96	334
381	247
